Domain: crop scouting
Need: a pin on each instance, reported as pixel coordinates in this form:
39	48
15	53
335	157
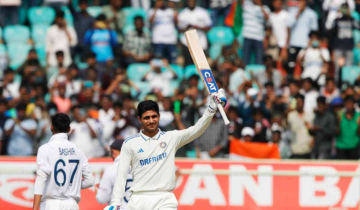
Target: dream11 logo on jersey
209	80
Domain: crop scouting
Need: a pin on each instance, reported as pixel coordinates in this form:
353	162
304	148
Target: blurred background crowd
290	68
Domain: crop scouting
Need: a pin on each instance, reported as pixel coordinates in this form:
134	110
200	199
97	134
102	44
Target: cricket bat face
199	58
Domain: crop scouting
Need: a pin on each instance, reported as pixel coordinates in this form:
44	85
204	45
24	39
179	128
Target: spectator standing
302	20
299	123
85	133
193	17
315	60
101	40
160	80
82	22
278	21
210	144
347	141
324	130
235	126
332	7
343	40
137	45
21	132
219	8
9	12
164	36
255	16
116	18
60	37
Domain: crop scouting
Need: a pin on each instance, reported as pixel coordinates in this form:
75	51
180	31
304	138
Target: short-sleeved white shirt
196	17
65	164
163	29
278	22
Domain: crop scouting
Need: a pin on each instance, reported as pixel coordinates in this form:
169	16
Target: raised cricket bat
199	58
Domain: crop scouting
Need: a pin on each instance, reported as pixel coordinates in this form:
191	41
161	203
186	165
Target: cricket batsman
151	155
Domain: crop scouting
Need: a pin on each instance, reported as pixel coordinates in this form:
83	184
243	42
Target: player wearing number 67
62	170
151	155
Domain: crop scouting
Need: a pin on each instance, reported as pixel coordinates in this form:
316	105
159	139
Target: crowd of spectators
282	73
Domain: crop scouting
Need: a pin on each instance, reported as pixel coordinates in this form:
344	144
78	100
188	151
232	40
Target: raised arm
122	172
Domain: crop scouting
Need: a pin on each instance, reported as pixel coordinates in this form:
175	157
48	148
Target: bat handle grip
222	112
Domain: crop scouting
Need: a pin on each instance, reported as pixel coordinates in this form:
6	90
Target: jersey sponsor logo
163	145
140	150
209	80
66	151
150	160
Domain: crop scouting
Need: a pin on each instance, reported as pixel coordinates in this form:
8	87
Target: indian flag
248	150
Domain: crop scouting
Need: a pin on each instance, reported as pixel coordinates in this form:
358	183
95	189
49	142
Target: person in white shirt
160	80
104	192
315	59
62	170
332	7
164	35
193	17
86	133
278	20
151	155
60	37
310	95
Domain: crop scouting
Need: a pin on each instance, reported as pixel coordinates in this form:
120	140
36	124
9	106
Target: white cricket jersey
107	184
65	168
152	159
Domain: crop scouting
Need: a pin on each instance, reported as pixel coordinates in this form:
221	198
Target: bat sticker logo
209	80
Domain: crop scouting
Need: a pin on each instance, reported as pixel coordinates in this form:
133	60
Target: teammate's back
62	172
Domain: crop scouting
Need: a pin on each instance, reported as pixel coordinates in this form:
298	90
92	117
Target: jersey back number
58	171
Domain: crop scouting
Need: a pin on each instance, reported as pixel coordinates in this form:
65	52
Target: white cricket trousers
153	201
55	204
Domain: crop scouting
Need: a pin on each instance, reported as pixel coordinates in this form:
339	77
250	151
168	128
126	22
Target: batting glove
218	98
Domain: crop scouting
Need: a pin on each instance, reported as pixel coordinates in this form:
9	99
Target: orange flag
241	149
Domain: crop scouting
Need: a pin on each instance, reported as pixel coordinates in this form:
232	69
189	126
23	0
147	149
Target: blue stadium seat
356	56
136	71
350	74
68	16
17	54
38	33
40	49
221	35
16	34
1	32
2	50
41	15
215	51
131	12
94	11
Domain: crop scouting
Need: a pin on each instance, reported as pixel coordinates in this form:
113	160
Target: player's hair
145	106
60	123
